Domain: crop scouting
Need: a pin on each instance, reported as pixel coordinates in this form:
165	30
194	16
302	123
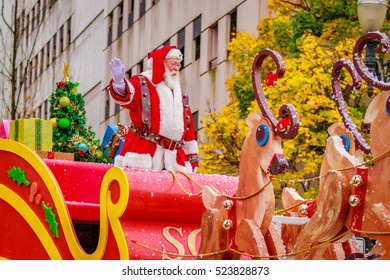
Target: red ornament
81	153
271	79
311	207
62	84
283	125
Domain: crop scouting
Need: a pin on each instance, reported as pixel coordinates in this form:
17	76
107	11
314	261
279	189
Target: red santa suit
161	134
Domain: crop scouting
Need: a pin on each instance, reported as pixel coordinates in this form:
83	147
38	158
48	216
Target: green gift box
37	134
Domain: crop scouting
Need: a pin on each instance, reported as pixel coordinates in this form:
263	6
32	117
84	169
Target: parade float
63	209
57	208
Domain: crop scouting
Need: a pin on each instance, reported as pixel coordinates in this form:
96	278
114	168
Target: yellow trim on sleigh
110	212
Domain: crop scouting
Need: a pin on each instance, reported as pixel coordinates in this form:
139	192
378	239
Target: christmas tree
71	134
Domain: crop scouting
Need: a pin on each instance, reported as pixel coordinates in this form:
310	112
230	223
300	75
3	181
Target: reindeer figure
358	201
243	223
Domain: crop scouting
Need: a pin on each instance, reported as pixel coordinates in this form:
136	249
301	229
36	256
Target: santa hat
157	58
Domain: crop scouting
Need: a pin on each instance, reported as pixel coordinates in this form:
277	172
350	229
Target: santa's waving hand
118	75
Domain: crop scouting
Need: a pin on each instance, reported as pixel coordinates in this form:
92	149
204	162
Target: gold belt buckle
170	144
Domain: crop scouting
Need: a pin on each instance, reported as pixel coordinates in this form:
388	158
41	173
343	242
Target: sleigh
58	209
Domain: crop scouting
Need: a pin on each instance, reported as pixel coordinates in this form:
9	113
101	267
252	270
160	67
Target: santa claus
161	133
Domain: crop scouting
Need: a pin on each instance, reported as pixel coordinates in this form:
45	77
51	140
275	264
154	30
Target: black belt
163	141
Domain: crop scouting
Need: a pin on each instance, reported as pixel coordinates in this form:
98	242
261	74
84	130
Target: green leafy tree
310	35
71	134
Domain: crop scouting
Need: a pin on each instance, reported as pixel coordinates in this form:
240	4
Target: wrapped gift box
113	140
37	134
55	155
4	129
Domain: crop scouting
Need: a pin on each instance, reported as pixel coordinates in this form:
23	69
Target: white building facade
86	34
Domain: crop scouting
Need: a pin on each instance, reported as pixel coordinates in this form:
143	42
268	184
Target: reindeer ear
346	142
210	198
339	129
253	120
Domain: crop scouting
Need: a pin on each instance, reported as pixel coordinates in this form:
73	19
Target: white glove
117	70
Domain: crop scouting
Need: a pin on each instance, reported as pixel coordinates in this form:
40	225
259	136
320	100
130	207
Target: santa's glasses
173	64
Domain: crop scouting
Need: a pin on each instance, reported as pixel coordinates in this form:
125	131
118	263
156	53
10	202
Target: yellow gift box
37	134
55	155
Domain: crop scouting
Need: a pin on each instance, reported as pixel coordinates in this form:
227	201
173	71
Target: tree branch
302	4
3	17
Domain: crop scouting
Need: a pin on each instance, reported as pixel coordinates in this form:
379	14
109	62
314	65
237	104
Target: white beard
171	80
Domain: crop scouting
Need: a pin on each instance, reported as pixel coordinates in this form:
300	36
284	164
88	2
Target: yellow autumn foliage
306	85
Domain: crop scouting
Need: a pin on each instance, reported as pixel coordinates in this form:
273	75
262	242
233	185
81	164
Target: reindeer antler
338	97
357	54
286	110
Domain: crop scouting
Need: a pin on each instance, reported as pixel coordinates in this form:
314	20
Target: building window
62	39
107	109
180	41
120	19
46	110
39	12
41	56
38	112
197	33
117	107
167	42
30	72
35	65
130	18
32	19
213	50
25	100
128	74
195	117
110	23
233	25
142	8
27	27
54	47
69	29
22	22
47	54
141	66
20	71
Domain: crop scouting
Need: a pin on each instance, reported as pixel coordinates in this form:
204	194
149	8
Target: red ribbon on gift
115	140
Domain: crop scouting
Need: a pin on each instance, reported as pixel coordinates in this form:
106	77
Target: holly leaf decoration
18	175
51	219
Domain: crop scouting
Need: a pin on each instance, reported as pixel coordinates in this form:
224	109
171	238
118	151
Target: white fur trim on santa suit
171	163
171	109
191	147
158	158
134	160
174	53
167	158
161	158
131	88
